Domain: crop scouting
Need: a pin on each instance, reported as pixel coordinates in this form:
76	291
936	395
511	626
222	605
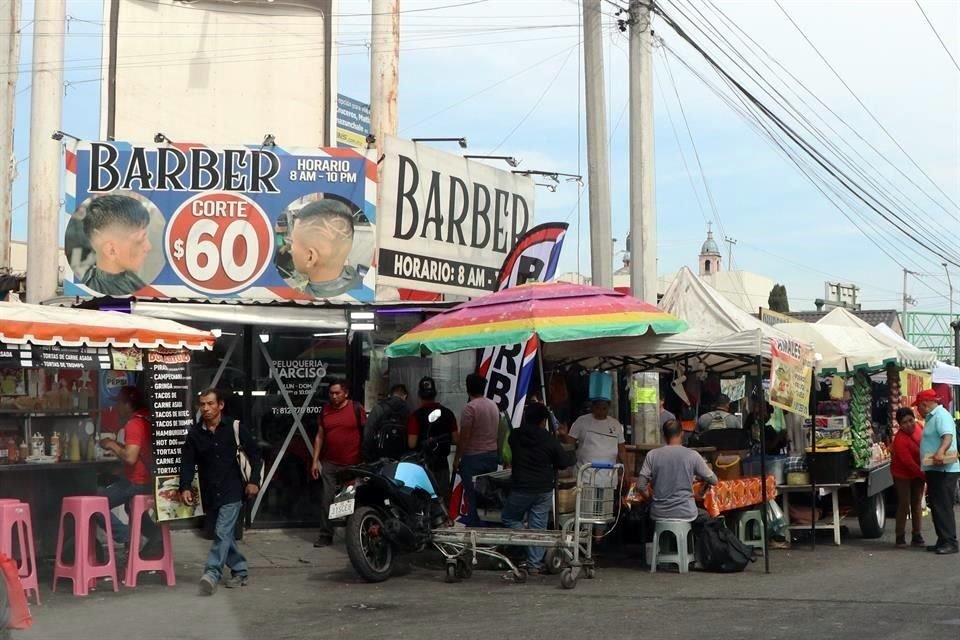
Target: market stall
846	458
60	371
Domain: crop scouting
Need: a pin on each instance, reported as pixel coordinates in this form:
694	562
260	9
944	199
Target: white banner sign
447	223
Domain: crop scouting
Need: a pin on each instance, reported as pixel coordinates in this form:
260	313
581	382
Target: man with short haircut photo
321	241
116	227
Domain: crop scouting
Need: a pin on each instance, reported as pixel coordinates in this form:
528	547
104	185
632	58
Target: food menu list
168	390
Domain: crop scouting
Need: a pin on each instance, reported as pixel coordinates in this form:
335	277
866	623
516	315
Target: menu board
168	390
53	357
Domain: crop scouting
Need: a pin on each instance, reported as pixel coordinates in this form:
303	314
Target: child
908	477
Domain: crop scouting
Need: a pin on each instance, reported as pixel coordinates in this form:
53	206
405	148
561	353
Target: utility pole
950	286
46	106
384	69
9	62
731	243
643	215
598	171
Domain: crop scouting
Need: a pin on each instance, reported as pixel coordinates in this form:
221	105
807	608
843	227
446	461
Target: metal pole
811	468
643	216
9	61
46	105
598	172
384	69
950	286
762	414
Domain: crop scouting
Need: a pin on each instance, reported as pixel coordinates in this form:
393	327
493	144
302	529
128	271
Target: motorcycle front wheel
370	552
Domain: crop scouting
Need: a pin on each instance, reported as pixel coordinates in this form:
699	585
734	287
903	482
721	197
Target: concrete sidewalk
864	589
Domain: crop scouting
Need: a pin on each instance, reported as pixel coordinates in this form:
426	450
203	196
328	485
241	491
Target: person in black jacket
385	433
212	448
537	456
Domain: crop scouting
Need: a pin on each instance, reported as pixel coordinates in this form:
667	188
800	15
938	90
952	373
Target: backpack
718	549
391	436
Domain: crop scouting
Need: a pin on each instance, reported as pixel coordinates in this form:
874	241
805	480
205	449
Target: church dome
709	245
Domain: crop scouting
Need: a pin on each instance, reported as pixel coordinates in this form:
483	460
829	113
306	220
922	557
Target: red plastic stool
139	506
84	571
16	514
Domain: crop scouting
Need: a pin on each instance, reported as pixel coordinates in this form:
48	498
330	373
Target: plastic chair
682	532
85	570
16	515
750	529
136	564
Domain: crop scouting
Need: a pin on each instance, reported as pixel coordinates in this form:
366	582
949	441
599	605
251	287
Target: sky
507	75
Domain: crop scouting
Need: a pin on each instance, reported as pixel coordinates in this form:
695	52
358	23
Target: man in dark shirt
442	429
536	457
212	447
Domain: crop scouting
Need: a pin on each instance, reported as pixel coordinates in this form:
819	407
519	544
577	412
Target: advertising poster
509	369
168	393
353	122
735	389
447	223
791	376
190	221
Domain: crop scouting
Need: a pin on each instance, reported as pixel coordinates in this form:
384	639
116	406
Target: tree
778	300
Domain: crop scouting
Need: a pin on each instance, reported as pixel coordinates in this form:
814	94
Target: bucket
775	467
601	386
727	467
829	466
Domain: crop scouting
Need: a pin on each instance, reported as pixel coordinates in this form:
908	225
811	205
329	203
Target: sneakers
948	550
901	542
208	586
237	582
917	541
322	542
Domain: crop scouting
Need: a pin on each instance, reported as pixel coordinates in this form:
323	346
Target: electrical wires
939	39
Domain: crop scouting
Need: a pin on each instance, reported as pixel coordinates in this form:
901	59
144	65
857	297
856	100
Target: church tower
709	254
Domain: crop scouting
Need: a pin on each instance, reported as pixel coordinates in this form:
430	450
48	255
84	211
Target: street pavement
864	589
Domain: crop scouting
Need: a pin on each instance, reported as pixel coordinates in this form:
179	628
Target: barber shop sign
189	221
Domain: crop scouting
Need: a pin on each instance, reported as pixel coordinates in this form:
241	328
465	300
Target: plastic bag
776	522
14	609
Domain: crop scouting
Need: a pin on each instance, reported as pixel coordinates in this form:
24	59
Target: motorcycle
390	507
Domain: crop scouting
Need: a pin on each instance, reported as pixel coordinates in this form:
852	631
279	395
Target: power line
828	166
861	103
747	40
536	104
934	29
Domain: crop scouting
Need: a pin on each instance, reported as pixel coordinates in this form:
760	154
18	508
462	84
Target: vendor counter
44	486
726	495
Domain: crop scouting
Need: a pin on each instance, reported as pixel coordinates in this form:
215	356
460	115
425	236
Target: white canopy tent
907	354
943	373
721	337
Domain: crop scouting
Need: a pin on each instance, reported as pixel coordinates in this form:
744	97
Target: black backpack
391	436
718	549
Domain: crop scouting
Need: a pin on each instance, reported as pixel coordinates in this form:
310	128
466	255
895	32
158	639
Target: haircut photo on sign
112	243
324	245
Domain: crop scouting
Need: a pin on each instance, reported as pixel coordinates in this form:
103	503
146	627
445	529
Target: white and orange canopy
43	325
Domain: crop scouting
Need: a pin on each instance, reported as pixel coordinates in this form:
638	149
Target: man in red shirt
339	437
908	477
135	453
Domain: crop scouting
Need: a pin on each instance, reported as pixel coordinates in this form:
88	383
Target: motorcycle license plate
342	509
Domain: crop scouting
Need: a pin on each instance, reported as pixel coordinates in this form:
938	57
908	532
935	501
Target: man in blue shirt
938	457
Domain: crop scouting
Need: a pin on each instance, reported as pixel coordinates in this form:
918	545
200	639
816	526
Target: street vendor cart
60	369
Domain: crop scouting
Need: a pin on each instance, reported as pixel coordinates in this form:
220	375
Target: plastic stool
84	571
682	532
139	506
750	529
15	514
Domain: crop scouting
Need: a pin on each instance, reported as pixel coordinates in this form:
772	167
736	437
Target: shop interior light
258	393
361	315
330	334
264	338
216	332
363	326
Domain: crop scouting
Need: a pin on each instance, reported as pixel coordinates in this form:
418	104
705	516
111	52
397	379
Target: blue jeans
224	549
536	507
120	493
470	467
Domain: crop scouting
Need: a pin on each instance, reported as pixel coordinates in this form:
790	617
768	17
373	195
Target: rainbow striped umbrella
552	311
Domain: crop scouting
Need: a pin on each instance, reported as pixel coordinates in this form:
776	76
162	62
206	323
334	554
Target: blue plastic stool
682	532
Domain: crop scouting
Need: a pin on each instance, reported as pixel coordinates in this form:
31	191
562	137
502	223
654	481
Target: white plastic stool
682	532
750	529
